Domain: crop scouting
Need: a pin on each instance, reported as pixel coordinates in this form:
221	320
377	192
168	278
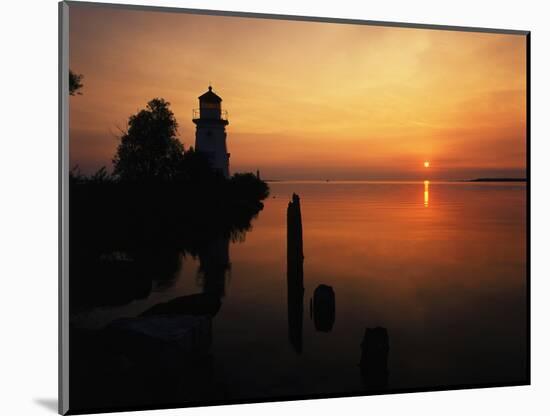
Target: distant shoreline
498	180
399	180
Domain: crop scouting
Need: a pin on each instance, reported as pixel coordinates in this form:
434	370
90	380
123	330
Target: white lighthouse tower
210	137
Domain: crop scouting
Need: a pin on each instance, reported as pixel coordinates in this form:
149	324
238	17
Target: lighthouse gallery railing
207	113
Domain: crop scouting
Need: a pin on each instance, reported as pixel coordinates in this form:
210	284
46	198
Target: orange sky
307	100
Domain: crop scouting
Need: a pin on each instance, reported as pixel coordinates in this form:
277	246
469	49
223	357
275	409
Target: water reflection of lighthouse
214	263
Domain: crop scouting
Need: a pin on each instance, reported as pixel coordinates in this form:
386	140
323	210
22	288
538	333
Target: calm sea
440	265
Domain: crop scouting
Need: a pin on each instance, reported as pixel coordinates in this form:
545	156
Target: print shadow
48	404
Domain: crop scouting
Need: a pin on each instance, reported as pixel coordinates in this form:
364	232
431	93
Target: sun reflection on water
426	193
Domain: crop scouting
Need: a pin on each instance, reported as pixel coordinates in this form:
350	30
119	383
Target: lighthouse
210	136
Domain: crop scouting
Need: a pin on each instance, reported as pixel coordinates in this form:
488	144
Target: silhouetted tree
75	83
249	186
149	149
101	176
76	176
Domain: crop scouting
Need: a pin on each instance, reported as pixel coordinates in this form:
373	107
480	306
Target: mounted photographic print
262	208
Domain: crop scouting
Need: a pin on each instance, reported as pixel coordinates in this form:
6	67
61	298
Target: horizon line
478	179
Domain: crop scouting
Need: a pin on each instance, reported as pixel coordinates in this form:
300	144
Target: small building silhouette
210	136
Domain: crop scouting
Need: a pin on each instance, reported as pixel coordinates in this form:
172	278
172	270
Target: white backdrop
28	205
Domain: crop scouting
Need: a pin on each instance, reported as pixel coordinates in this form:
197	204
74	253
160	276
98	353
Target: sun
426	164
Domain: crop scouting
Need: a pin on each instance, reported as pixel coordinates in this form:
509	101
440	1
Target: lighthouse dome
210	97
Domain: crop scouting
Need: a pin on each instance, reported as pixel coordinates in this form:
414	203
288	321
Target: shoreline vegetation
131	227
